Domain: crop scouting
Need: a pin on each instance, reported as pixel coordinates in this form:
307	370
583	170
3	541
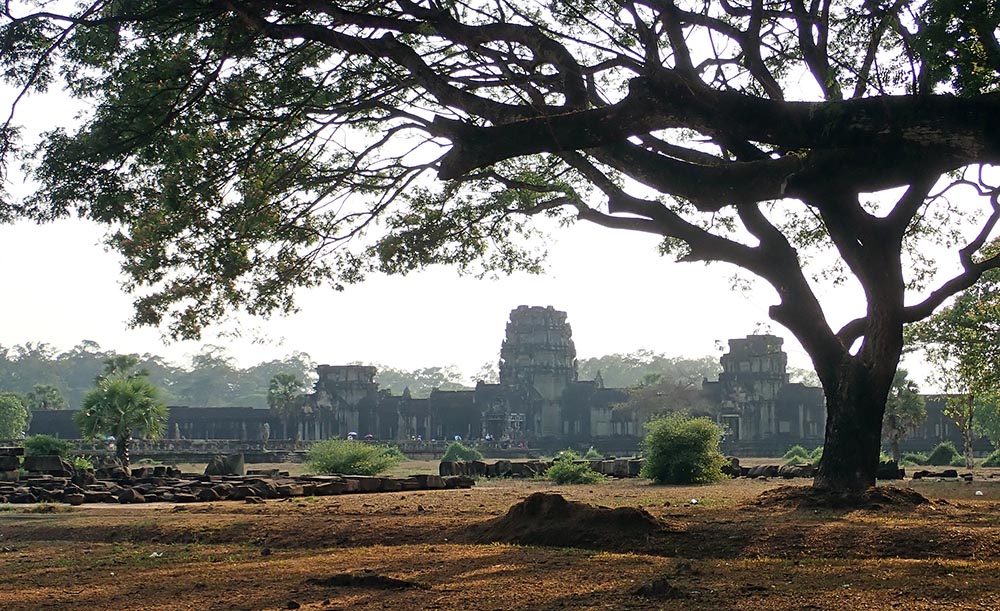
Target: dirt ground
654	547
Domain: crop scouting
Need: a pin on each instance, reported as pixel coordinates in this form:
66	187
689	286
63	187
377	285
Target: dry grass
722	552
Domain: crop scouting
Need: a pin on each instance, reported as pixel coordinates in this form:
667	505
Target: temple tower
344	401
753	373
537	363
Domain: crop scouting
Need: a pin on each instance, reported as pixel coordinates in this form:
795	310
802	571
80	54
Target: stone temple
538	395
540	400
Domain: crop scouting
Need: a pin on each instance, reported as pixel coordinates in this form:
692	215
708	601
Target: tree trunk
121	449
970	460
894	446
855	402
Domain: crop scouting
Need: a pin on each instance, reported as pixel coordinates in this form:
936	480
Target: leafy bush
593	454
816	454
796	451
993	460
914	458
457	451
568	454
83	463
943	454
679	449
348	457
796	460
568	472
395	453
45	445
958	461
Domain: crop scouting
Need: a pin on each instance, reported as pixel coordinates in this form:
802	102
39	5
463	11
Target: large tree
962	344
239	149
14	416
45	397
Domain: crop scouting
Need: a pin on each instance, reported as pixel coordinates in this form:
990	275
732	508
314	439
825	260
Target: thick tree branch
947	131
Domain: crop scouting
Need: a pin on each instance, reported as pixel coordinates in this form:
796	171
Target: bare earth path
437	550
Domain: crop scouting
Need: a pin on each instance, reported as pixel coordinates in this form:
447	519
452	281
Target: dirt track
352	552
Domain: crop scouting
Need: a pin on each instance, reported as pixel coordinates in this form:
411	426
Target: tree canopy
240	149
14	416
122	406
628	370
211	379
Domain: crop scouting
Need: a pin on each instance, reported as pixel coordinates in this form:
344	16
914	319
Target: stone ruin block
52	465
226	464
9	463
365	484
459	481
391	484
429	482
503	468
890	470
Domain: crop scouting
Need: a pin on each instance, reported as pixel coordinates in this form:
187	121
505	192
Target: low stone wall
165	484
617	467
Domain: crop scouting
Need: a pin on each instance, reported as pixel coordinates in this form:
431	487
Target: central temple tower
537	363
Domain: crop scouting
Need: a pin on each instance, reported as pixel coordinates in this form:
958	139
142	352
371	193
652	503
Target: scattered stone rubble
51	479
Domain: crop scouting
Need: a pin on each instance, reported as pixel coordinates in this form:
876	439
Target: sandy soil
454	550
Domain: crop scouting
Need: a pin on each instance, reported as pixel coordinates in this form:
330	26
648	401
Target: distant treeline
213	378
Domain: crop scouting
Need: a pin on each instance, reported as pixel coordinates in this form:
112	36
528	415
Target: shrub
394	452
993	460
83	463
958	461
568	455
568	472
679	449
796	452
943	454
914	458
796	460
816	454
457	451
593	454
45	445
348	457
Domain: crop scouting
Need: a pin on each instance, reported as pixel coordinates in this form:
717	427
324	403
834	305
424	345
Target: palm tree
120	406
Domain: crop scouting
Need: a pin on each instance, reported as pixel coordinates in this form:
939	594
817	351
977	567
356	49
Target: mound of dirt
363	579
550	520
879	497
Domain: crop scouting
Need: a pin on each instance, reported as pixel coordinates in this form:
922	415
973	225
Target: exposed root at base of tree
875	498
550	520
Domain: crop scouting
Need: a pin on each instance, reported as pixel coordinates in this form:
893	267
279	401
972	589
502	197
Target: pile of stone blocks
55	482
